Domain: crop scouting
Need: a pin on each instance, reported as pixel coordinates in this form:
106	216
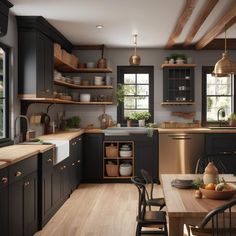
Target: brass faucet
221	112
17	138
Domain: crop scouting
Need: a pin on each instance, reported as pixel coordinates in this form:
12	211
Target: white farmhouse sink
62	150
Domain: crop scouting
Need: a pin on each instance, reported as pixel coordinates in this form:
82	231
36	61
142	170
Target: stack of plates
182	183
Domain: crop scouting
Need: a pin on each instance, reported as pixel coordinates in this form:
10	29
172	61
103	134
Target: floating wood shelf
81	86
64	67
177	103
178	65
61	101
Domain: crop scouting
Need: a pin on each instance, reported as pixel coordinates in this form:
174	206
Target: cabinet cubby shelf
65	84
118	177
67	68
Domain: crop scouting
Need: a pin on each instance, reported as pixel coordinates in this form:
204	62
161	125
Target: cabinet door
146	154
4	211
44	66
92	157
30	204
56	185
16	215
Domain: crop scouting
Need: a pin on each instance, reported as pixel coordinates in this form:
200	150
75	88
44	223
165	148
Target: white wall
153	57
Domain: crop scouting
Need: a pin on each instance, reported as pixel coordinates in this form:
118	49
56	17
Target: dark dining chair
160	202
152	219
218	222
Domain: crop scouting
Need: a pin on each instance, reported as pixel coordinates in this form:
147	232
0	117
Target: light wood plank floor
96	209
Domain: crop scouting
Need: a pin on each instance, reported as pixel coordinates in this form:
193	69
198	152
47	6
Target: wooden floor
96	209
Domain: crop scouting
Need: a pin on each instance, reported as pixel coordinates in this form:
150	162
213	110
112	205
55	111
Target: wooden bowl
218	195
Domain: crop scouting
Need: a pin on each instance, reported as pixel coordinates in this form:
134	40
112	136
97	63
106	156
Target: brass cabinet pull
73	164
78	161
18	173
64	167
49	160
4	180
26	183
74	143
225	153
79	139
47	90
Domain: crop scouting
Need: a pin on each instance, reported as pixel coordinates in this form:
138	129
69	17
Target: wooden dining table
183	207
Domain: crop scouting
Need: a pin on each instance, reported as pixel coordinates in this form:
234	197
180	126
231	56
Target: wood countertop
19	152
3	164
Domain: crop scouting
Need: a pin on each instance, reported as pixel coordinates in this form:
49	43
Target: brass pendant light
225	66
135	59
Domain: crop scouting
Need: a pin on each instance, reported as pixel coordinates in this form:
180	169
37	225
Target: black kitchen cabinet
45	187
92	157
35	68
4	11
23	197
146	154
75	162
178	84
4	201
223	147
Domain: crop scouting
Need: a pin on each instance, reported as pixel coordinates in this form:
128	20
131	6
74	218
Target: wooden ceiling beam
181	22
204	13
224	20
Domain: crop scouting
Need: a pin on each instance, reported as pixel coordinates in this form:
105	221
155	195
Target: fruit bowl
218	195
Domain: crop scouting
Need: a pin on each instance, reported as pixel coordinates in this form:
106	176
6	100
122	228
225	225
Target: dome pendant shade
135	59
224	66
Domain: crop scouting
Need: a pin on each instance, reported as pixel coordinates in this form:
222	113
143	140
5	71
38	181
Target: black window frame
121	70
208	70
6	140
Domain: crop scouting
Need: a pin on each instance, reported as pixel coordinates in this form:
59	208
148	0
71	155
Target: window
139	87
4	93
217	93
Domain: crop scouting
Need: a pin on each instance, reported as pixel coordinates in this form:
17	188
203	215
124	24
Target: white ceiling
152	20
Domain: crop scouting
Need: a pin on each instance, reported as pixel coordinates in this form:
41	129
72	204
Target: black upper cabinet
146	154
35	64
178	84
4	11
4	201
92	157
35	55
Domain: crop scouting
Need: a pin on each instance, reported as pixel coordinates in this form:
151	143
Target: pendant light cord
135	44
225	38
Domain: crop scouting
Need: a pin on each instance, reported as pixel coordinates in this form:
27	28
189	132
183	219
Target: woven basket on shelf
111	151
57	51
112	170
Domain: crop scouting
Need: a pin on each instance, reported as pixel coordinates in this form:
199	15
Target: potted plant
232	119
140	117
73	122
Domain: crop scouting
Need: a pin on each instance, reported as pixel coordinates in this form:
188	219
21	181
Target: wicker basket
74	60
66	57
111	151
57	51
112	170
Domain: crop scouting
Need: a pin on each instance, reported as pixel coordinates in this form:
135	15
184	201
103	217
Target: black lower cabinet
92	157
145	153
4	202
23	197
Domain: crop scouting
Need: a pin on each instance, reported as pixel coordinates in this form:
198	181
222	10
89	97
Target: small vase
211	174
141	123
129	122
232	123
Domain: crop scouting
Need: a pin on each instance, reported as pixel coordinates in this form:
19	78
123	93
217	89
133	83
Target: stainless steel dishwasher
178	153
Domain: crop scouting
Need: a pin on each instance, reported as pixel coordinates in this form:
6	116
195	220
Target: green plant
232	116
120	93
145	115
73	122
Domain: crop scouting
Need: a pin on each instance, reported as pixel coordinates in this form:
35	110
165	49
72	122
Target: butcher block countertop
14	153
3	164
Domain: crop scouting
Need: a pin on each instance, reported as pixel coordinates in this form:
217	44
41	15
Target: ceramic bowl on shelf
85	97
125	153
125	169
90	65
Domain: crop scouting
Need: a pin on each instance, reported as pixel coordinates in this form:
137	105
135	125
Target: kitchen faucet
221	112
17	138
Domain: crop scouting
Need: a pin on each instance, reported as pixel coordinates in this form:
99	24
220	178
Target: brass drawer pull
4	180
78	161
64	167
73	164
79	139
18	173
74	143
49	160
26	183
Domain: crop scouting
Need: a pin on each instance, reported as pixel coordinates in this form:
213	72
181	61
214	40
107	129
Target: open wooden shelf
65	67
61	101
65	84
117	177
178	65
